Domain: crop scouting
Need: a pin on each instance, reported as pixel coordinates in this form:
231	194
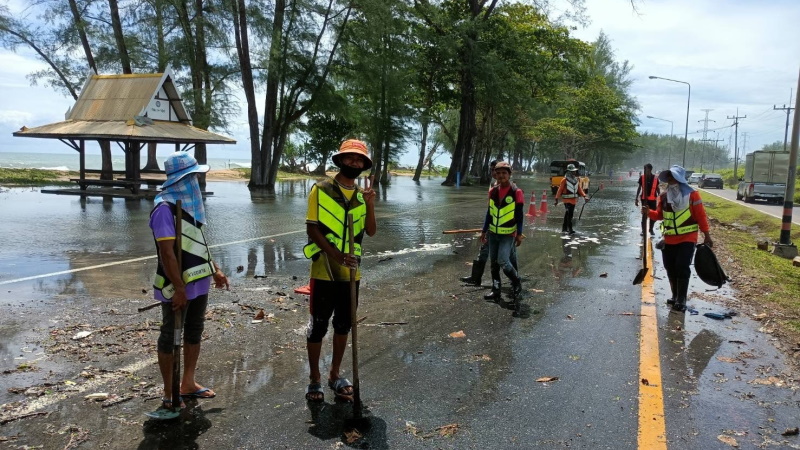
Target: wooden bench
131	185
147	181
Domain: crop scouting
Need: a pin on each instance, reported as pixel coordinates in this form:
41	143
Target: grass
29	176
773	280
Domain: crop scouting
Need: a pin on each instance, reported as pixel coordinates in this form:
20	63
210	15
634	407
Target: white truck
765	175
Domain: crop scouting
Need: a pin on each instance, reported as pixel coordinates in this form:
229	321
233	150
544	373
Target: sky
741	54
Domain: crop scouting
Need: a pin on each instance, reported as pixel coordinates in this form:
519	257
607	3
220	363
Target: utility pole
788	110
786	247
705	132
736	143
744	145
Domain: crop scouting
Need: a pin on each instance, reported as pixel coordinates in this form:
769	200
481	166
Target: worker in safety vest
647	192
182	288
568	192
682	214
503	223
329	203
479	264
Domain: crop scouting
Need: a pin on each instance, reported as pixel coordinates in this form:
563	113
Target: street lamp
671	128
688	99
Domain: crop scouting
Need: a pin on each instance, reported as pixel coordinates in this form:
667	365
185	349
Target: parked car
695	178
710	180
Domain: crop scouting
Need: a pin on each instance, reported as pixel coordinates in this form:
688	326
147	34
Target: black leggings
194	317
677	258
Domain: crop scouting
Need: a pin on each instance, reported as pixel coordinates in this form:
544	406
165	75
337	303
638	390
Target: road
593	362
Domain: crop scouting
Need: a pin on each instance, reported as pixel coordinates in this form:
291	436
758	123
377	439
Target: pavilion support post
82	159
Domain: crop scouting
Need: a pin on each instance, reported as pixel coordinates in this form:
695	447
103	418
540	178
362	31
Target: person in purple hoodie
183	287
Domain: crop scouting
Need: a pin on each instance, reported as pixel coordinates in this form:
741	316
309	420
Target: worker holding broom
330	202
568	192
182	288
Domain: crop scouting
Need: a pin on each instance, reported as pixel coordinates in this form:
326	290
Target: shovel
175	411
643	271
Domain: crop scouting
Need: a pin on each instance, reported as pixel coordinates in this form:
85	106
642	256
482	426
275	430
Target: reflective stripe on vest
677	223
332	217
653	186
571	189
195	257
502	217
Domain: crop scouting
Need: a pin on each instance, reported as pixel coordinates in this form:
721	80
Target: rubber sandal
165	412
199	394
315	388
339	385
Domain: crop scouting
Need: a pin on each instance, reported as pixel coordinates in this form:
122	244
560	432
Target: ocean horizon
70	162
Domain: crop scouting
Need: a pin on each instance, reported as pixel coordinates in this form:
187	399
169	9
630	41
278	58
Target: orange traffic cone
532	206
543	207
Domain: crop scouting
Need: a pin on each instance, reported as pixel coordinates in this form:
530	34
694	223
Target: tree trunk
152	162
466	123
260	172
119	38
106	167
422	149
201	155
81	26
242	34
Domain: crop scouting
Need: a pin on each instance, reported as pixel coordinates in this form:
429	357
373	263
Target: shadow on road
333	420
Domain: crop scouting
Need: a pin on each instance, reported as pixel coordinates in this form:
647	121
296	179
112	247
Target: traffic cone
532	206
543	207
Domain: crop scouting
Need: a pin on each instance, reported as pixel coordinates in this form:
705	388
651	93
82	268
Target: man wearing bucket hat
329	203
182	288
681	211
568	192
502	229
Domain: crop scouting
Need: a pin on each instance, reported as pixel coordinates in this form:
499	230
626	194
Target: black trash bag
707	267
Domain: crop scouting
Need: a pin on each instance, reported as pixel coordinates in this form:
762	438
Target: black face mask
350	172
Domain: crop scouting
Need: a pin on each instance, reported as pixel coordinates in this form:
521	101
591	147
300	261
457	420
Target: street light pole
688	100
671	129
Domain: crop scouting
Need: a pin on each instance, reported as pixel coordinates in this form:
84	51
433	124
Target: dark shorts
194	317
329	298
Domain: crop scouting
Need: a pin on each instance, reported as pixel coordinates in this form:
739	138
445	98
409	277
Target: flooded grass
773	280
29	176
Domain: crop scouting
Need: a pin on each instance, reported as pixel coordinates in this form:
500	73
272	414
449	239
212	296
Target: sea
69	161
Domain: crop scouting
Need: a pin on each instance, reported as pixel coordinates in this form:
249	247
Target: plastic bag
707	267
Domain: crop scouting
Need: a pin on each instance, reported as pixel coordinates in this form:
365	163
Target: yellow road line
652	431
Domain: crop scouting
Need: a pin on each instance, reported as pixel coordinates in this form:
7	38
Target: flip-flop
338	385
314	388
199	394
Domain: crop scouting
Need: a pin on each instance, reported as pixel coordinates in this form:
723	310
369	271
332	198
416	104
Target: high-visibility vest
653	187
677	222
570	188
332	210
501	211
195	257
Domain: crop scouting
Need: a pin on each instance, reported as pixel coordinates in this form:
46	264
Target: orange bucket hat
353	146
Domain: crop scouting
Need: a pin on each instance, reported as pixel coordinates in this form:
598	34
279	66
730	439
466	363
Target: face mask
350	172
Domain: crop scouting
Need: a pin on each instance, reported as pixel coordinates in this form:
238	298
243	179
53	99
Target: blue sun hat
678	173
180	164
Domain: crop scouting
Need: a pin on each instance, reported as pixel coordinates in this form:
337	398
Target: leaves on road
458	334
546	379
728	440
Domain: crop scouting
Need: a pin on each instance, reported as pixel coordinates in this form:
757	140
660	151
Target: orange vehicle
559	168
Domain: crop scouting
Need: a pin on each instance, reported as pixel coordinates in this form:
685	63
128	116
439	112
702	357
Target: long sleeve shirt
698	213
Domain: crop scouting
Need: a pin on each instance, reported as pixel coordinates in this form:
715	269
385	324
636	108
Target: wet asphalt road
759	205
422	388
